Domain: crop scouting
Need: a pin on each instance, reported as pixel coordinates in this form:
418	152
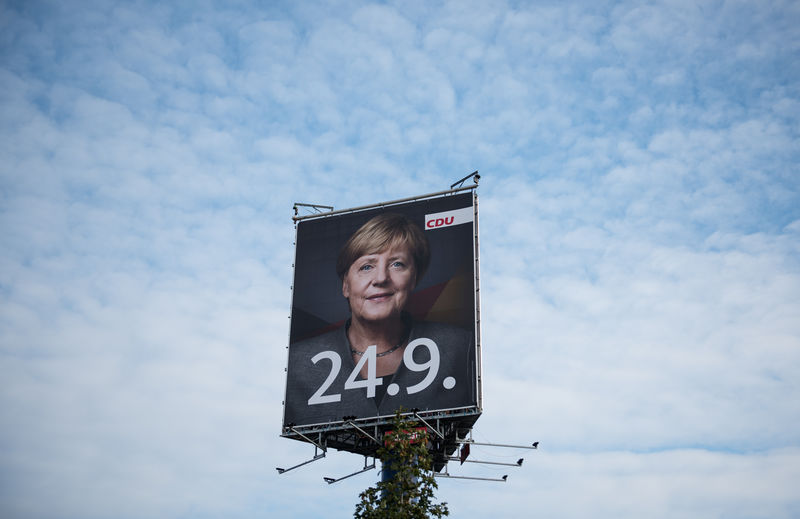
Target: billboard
384	308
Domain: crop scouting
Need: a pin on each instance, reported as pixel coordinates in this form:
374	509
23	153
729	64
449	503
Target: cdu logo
439	222
448	218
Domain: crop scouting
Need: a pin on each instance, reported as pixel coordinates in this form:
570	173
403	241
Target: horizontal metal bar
501	480
314	206
450	412
392	202
505	464
534	445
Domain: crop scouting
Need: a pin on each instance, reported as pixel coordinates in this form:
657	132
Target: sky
639	236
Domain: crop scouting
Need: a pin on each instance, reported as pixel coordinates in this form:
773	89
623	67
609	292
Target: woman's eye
365	267
398	264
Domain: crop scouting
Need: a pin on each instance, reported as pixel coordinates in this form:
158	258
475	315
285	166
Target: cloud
623	484
638	214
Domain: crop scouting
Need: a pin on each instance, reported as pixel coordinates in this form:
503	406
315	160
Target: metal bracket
331	481
470	441
316	207
517	464
309	440
382	205
446	475
317	455
362	431
315	458
461	182
534	445
429	426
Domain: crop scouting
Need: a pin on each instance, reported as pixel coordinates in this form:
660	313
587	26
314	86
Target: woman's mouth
379	297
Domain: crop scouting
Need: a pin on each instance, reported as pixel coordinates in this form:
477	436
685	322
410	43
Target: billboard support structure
315	207
331	481
439	354
309	440
429	426
315	458
459	183
447	475
362	431
348	427
383	204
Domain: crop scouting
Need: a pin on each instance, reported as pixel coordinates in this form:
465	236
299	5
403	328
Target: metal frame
362	431
449	425
517	464
446	475
463	418
384	204
363	436
461	182
477	275
331	481
315	458
429	426
534	445
316	207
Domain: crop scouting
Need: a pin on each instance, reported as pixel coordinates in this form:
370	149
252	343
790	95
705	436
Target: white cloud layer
640	236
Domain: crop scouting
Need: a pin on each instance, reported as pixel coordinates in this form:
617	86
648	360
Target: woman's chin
377	318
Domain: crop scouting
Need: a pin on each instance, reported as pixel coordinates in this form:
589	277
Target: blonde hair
385	231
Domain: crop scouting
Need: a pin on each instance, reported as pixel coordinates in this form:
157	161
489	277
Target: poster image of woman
381	358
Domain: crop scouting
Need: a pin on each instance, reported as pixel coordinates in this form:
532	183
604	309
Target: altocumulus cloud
640	229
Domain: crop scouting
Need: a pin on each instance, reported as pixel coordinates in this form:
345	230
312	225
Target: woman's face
378	285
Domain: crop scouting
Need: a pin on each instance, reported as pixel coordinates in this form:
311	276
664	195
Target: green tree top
409	494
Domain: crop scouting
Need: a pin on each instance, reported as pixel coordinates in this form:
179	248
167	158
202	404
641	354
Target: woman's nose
381	275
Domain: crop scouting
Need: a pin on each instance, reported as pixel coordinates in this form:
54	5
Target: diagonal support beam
429	426
309	440
316	207
331	481
362	431
315	458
